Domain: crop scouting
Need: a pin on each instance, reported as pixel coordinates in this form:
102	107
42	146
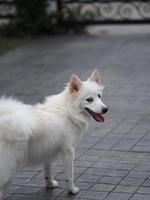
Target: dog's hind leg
50	182
68	155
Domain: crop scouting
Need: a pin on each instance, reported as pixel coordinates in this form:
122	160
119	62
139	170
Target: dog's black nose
104	110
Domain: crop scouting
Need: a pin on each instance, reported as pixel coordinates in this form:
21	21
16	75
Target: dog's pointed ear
95	76
74	83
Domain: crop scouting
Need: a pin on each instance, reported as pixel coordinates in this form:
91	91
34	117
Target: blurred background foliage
31	15
31	18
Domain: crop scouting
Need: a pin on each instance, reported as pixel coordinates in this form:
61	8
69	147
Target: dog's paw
52	184
74	190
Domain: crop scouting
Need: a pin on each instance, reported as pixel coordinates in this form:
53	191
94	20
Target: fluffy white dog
37	134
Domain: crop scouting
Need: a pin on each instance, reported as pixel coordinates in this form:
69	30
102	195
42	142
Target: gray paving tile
94	152
77	196
138	174
104	165
96	171
12	189
83	163
18	197
116	172
125	189
28	190
123	147
42	197
89	178
147	183
103	146
110	179
26	174
84	185
141	148
89	157
103	187
142	167
20	181
6	196
50	193
124	166
118	196
36	182
140	197
95	195
145	159
132	181
144	190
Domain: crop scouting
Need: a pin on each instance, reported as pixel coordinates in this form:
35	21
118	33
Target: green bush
31	16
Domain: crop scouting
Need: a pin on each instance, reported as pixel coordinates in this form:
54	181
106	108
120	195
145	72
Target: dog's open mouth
97	116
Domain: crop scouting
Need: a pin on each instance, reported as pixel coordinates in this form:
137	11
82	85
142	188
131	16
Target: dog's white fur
36	134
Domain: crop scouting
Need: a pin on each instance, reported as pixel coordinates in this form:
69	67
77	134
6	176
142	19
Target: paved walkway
113	159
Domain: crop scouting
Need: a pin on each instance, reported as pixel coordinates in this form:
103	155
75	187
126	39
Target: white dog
36	134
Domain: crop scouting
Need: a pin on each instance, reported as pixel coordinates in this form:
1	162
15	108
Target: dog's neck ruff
76	120
77	123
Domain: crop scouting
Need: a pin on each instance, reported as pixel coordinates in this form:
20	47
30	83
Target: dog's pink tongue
98	117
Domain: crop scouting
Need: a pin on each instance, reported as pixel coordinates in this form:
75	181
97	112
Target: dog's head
86	97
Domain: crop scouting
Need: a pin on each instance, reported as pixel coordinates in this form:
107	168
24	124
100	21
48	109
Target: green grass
8	43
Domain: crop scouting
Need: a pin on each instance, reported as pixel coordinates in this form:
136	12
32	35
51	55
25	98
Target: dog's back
14	116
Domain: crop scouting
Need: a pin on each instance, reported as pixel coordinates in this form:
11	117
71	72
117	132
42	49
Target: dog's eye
99	95
90	99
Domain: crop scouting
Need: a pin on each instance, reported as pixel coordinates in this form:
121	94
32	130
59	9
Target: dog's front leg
50	182
69	170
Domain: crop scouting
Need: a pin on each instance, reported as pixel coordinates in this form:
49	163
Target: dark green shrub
31	16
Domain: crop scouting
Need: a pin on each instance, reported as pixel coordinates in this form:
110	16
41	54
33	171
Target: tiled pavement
113	159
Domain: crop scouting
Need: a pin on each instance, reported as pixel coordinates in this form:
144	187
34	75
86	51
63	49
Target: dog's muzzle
97	116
